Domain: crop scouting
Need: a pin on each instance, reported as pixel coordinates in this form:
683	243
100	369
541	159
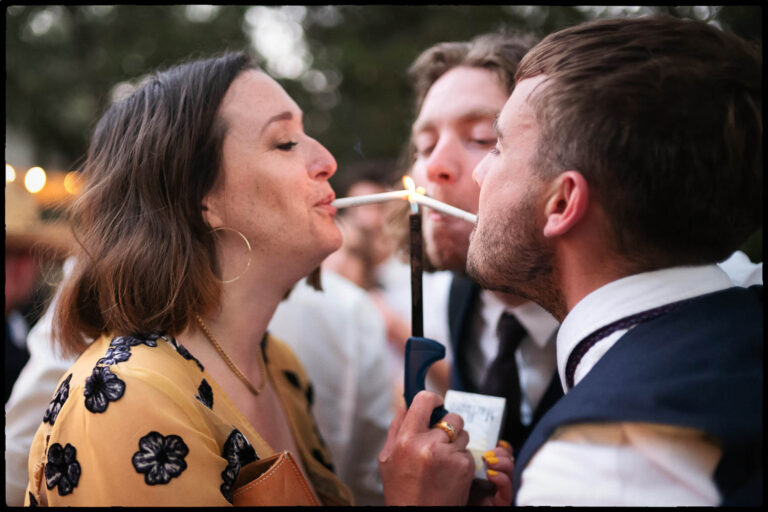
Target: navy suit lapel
462	302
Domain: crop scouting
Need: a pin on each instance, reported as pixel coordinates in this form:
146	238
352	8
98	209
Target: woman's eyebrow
283	116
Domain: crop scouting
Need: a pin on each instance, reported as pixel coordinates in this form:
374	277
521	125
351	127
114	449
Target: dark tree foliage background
63	63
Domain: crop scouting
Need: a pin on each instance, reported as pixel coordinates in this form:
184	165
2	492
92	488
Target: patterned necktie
502	378
623	323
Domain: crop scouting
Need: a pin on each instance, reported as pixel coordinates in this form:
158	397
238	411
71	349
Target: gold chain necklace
231	364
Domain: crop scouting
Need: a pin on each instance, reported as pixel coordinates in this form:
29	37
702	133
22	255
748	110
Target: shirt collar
539	324
634	294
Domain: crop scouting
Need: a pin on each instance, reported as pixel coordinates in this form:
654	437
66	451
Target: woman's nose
322	165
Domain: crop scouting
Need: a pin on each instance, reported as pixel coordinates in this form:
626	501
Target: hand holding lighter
420	353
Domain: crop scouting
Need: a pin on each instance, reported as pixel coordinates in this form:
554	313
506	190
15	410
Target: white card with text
482	415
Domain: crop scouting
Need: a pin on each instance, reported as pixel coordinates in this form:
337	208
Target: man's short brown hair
498	52
663	117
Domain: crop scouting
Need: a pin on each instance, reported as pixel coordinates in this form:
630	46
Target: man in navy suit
628	162
460	88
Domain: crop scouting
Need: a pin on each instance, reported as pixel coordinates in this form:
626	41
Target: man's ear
567	202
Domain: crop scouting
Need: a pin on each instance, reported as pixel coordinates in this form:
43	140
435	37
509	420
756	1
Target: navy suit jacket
700	366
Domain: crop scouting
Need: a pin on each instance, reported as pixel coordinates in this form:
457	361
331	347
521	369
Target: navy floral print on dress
317	454
102	387
62	469
292	378
150	340
116	354
310	395
160	458
238	452
52	412
205	394
185	353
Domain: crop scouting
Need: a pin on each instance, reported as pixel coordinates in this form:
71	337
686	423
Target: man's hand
419	465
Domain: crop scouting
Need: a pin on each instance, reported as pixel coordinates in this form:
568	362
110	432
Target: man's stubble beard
513	256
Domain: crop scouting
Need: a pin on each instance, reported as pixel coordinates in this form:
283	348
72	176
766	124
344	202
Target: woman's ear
567	203
210	213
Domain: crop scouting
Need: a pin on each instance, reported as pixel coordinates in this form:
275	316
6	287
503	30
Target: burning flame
410	186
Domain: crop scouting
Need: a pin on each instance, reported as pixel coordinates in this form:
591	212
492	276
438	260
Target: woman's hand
421	466
500	465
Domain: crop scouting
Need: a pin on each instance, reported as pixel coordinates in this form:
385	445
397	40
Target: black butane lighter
420	352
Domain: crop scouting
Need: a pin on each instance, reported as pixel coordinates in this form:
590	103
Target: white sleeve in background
29	399
374	404
622	464
340	339
741	270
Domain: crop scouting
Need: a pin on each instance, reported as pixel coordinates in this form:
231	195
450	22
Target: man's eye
424	152
286	146
485	142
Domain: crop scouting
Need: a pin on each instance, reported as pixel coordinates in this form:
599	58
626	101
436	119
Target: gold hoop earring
247	244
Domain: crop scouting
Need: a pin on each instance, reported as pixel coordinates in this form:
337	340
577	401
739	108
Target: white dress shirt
535	356
624	464
340	339
338	335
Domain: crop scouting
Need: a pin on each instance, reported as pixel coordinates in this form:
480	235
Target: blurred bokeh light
35	179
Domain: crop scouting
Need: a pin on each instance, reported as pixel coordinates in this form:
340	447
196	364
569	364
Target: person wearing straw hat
30	243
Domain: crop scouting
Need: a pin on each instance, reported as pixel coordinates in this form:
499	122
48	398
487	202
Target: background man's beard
515	257
445	259
446	254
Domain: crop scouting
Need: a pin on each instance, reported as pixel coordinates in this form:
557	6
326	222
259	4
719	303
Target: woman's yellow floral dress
138	421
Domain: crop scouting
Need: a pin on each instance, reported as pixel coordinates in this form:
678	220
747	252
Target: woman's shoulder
138	357
128	406
156	367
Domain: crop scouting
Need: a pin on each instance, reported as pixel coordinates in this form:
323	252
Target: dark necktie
502	378
623	323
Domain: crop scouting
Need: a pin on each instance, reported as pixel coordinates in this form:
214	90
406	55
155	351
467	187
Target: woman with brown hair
205	203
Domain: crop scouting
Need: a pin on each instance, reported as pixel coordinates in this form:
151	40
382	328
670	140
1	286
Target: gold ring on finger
448	429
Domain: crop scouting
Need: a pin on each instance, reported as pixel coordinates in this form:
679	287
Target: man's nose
444	164
478	174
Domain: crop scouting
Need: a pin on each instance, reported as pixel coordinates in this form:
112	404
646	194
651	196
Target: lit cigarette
369	199
411	193
444	208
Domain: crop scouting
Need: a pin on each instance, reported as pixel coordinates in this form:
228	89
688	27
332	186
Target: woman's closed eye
286	146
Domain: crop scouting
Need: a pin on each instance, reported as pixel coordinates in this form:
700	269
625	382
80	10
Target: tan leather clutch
275	481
